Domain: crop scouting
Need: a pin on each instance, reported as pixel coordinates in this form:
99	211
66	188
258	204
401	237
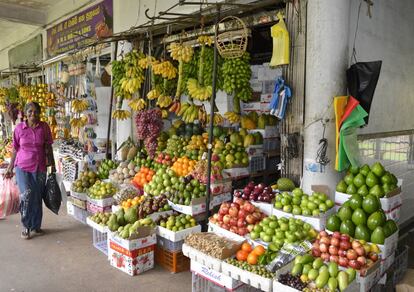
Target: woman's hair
32	104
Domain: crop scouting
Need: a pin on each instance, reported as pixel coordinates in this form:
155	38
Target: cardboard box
198	205
256	85
79	196
179	235
266	208
267	132
247	107
269	86
79	203
206	260
146	236
92	208
213	276
94	225
251	279
238	172
132	262
255	150
102	202
266	97
371	278
221	187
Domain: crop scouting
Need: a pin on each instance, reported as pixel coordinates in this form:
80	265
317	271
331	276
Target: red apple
334	258
326	240
333	250
345	237
233	221
342	253
243	231
316	252
257	216
323	233
220	218
316	245
234	204
343	262
225	226
355	244
362	260
351	254
336	234
325	256
225	205
233	212
239	201
242	214
250	219
373	256
241	223
233	229
354	264
345	245
360	251
335	241
323	247
226	219
215	216
248	207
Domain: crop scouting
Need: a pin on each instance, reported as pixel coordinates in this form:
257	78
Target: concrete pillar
326	64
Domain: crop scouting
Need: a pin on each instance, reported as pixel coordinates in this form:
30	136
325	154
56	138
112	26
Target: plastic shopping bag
9	198
52	196
281	43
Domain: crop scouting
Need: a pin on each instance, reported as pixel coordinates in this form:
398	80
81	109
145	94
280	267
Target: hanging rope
321	156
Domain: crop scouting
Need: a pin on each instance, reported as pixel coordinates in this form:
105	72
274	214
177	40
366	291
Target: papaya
249	140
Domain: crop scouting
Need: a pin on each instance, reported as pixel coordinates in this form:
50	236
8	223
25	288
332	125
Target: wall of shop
387	36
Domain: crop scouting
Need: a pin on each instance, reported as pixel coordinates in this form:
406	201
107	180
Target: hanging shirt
30	144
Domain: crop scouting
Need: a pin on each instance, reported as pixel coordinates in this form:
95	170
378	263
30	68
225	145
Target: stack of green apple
362	218
185	190
163	181
229	155
366	180
299	203
278	231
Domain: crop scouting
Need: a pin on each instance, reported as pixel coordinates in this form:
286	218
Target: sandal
25	233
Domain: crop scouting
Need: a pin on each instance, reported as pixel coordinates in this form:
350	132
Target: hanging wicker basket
232	43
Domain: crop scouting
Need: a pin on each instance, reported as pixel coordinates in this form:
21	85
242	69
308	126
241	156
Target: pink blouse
29	144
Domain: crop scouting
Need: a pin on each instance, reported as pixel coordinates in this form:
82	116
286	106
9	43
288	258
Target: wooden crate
175	262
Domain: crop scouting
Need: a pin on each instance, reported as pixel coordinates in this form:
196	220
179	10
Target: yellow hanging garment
281	49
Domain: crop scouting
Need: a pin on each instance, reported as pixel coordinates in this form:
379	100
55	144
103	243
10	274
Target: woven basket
232	43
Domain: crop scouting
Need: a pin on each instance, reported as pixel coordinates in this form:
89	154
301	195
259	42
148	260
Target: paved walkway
64	259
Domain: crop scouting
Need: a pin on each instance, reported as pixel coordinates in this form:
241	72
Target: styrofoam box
94	225
279	213
200	206
225	233
319	223
202	258
386	263
266	97
221	187
255	150
266	73
269	86
79	196
70	209
237	172
264	107
266	208
249	278
179	235
216	277
92	208
132	244
79	203
267	132
131	262
102	202
247	107
256	85
372	277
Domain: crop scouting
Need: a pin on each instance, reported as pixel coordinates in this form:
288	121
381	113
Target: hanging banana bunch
137	104
218	119
166	69
232	117
79	105
181	53
188	112
119	113
134	74
196	88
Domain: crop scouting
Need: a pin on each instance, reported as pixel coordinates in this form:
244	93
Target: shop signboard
81	29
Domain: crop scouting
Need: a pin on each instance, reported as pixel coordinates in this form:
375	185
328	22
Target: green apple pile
362	218
85	180
176	222
366	180
176	146
123	221
323	275
278	231
299	203
185	190
130	229
256	269
229	155
101	218
101	190
163	181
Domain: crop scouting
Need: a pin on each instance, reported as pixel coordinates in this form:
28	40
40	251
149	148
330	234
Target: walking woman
32	153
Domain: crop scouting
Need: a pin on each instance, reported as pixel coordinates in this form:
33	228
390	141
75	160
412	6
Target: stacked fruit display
197	146
176	222
100	218
200	172
299	203
362	218
252	192
127	192
231	154
284	184
141	159
238	217
366	180
183	166
143	176
163	158
85	180
277	232
152	205
314	270
101	190
105	166
185	190
132	202
345	251
124	172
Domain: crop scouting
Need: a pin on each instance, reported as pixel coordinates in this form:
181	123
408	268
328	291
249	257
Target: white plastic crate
200	284
256	164
77	213
100	241
271	144
400	264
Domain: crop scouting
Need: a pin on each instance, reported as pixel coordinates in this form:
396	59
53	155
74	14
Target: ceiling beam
22	14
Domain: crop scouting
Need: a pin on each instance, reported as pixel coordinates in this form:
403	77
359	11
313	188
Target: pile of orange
183	166
249	254
132	202
143	176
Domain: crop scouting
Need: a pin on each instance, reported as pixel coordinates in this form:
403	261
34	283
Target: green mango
353	169
365	170
378	236
355	201
351	189
322	279
333	223
363	191
370	204
347	227
297	269
359	180
341	187
343	280
349	178
333	284
333	269
375	219
371	179
378	169
351	274
362	232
